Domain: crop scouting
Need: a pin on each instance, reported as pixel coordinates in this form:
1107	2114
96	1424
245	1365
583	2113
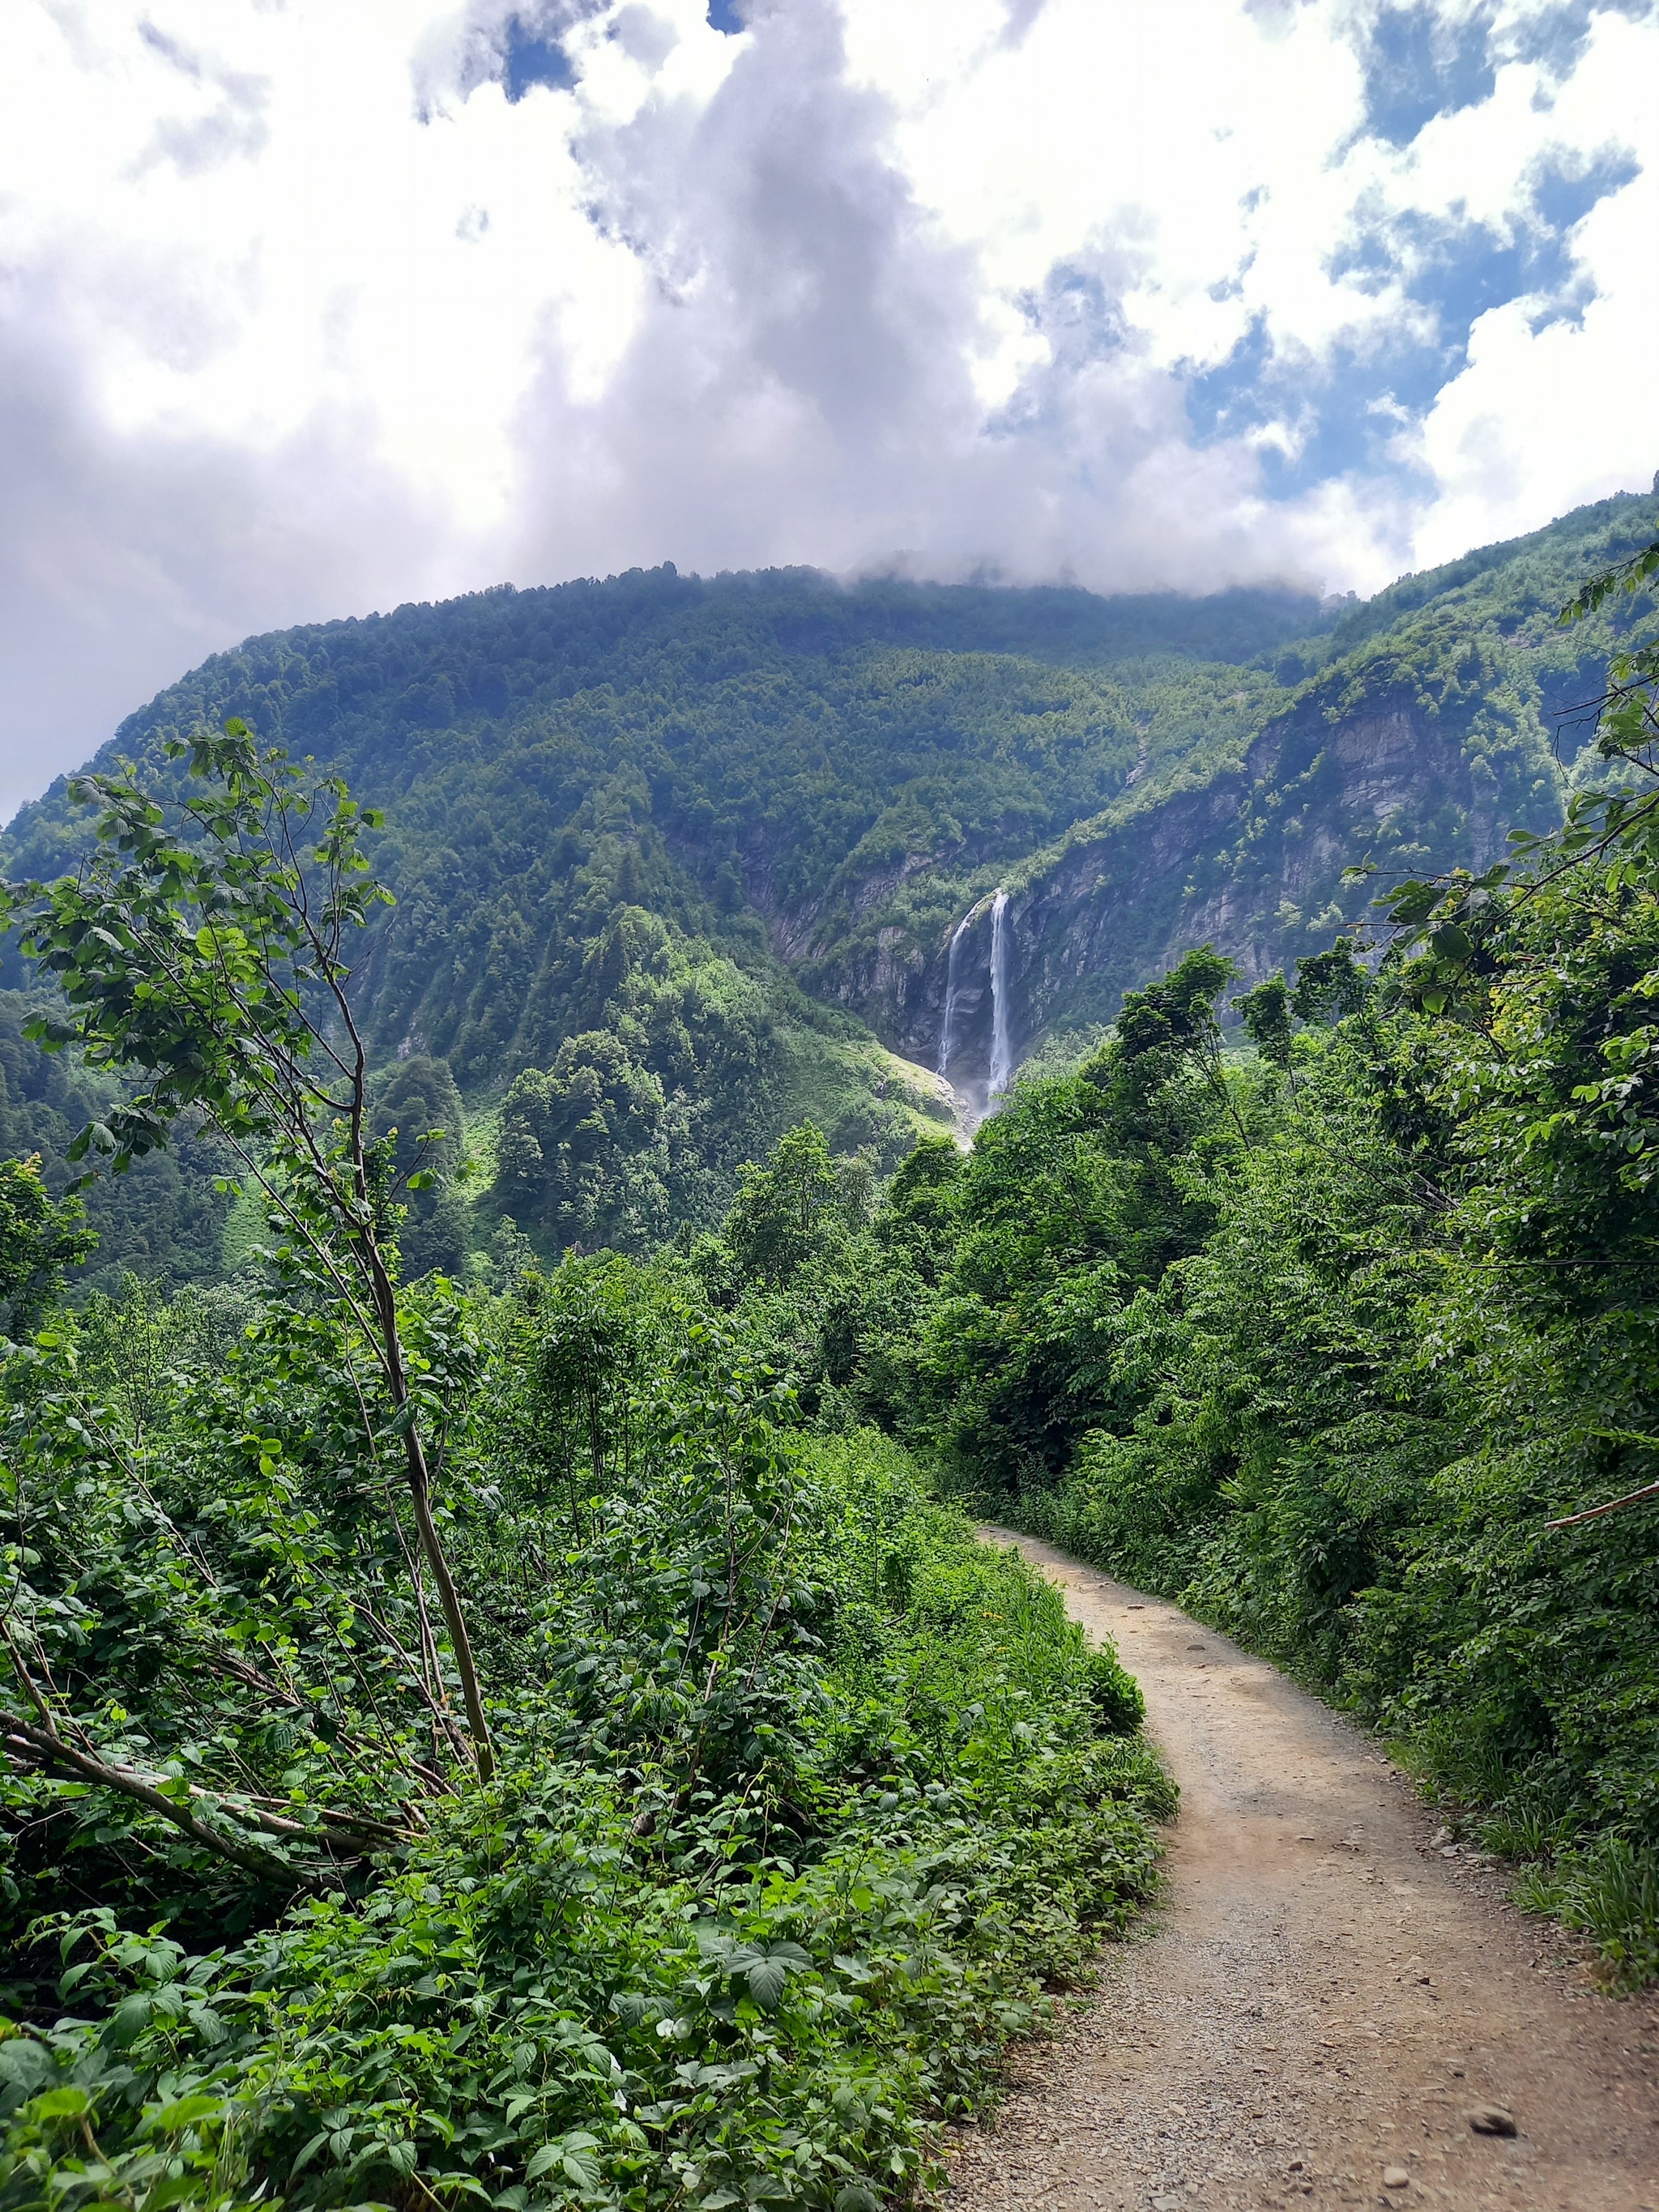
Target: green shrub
1115	1694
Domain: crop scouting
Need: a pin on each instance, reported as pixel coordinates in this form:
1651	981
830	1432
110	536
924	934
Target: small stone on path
1395	2177
1491	2120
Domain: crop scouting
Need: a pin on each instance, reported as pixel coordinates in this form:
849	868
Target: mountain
679	860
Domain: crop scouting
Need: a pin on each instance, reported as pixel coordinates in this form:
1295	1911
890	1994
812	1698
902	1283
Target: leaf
1413	904
178	2189
190	2112
27	2064
127	2022
66	2104
309	2152
768	1971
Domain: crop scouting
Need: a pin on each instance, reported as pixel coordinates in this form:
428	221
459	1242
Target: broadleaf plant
201	948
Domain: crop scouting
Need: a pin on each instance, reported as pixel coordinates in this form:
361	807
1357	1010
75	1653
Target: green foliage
1115	1694
1265	1014
138	1351
202	949
735	757
805	1798
1610	1893
781	1804
38	1241
633	824
796	1211
191	950
416	1098
797	1802
1344	1342
164	1219
680	1074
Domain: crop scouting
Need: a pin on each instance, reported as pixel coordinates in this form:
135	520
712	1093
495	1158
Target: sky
313	306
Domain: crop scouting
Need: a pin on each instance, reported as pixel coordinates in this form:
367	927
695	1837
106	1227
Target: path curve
1323	1997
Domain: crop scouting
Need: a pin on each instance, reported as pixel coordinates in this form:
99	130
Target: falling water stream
952	970
1002	1050
1002	1053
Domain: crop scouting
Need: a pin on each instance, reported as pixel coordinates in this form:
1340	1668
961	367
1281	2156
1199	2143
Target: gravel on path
1335	2002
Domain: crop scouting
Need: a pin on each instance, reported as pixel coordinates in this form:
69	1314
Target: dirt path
1325	1997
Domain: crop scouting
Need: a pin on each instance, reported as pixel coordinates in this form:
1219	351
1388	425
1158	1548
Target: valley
829	1190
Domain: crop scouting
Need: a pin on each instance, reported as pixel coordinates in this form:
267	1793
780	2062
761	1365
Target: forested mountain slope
668	850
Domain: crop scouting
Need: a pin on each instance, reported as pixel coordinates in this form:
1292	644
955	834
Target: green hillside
679	861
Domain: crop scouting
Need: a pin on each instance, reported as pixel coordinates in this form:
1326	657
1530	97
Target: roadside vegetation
1343	1340
471	1742
546	1734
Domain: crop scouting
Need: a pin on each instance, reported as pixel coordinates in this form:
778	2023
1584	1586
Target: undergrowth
806	1803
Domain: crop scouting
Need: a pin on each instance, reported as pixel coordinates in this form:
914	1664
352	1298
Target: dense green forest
508	1704
1344	1339
679	862
601	798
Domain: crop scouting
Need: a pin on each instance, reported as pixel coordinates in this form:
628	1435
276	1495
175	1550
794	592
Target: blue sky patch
1417	65
530	57
1558	36
1564	191
725	17
1342	409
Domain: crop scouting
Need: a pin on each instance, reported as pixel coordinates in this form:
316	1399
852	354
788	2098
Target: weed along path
1325	1998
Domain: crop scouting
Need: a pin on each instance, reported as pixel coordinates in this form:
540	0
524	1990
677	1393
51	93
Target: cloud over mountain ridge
307	310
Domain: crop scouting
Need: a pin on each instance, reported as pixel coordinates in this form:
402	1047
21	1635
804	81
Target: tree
784	1211
38	1241
414	1097
1265	1014
201	946
1543	984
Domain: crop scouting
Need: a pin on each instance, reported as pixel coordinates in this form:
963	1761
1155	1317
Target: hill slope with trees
679	861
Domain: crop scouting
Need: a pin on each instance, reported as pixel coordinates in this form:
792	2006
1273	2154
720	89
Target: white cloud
299	313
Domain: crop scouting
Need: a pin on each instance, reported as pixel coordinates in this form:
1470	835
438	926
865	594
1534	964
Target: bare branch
48	1745
1614	1505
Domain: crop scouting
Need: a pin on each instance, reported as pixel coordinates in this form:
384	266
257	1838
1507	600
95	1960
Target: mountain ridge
799	788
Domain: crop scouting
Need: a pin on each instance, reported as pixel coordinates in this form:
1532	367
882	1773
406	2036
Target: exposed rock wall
1251	861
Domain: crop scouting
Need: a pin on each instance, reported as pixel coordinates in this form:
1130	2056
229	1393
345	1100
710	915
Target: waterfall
952	968
1002	1053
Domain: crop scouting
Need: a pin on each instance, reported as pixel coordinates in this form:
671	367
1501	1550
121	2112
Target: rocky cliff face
1251	861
